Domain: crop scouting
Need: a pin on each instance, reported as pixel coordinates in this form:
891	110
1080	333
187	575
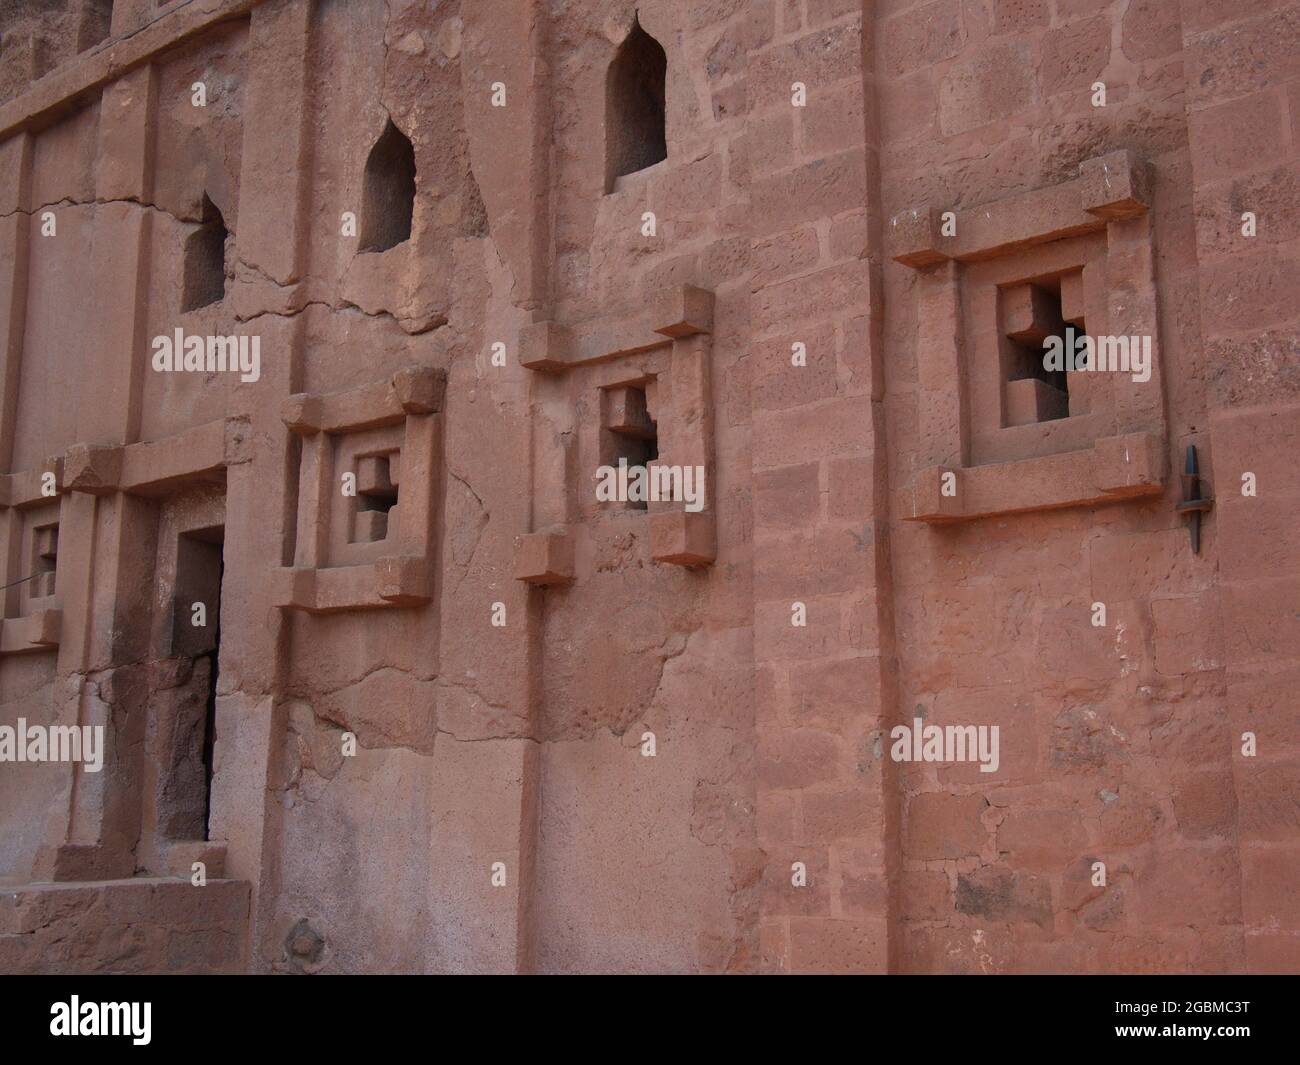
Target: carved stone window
29	558
629	434
364	548
45	557
204	267
641	386
1012	416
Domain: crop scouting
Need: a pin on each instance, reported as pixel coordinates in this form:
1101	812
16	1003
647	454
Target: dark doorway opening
200	570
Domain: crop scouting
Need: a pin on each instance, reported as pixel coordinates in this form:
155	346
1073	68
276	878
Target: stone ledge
24	489
34	632
413	390
394	581
683	537
674	313
1115	468
198	455
1110	188
138	925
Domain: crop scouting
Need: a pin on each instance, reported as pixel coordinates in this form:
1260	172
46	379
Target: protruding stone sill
675	313
415	390
1114	469
683	537
38	631
677	538
23	489
172	926
395	581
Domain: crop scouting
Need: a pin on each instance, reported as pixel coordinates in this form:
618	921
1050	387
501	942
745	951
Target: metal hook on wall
1193	504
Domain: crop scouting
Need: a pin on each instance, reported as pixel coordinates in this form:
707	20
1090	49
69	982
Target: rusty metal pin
1193	504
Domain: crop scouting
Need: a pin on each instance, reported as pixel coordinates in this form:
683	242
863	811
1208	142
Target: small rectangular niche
377	490
628	432
45	560
197	600
1033	319
94	23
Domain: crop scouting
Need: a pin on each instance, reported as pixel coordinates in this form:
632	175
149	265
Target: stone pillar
822	634
108	536
271	239
15	232
1242	99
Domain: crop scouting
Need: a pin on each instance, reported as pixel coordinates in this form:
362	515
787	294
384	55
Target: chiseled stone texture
142	925
431	720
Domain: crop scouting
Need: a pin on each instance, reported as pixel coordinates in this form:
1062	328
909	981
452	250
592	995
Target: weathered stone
370	652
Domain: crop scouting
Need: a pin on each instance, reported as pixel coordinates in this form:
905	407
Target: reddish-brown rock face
619	486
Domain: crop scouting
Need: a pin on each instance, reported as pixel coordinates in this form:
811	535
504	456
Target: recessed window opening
204	280
631	435
635	107
186	802
45	558
388	191
1039	327
376	496
96	22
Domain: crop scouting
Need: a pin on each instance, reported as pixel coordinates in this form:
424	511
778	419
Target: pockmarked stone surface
695	486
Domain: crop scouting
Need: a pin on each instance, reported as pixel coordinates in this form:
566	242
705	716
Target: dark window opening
388	191
186	801
95	23
210	711
377	477
629	434
205	260
1037	387
635	125
45	558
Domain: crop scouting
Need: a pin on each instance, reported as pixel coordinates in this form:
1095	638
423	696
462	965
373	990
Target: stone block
1030	400
915	237
1115	186
544	558
369	526
683	538
92	468
403	581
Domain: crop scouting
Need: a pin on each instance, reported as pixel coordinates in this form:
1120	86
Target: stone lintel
1109	188
413	390
674	313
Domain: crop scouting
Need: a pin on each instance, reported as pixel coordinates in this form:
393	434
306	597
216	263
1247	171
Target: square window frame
970	466
327	574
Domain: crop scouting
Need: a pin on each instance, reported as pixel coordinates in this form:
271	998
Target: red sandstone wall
1108	754
521	743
